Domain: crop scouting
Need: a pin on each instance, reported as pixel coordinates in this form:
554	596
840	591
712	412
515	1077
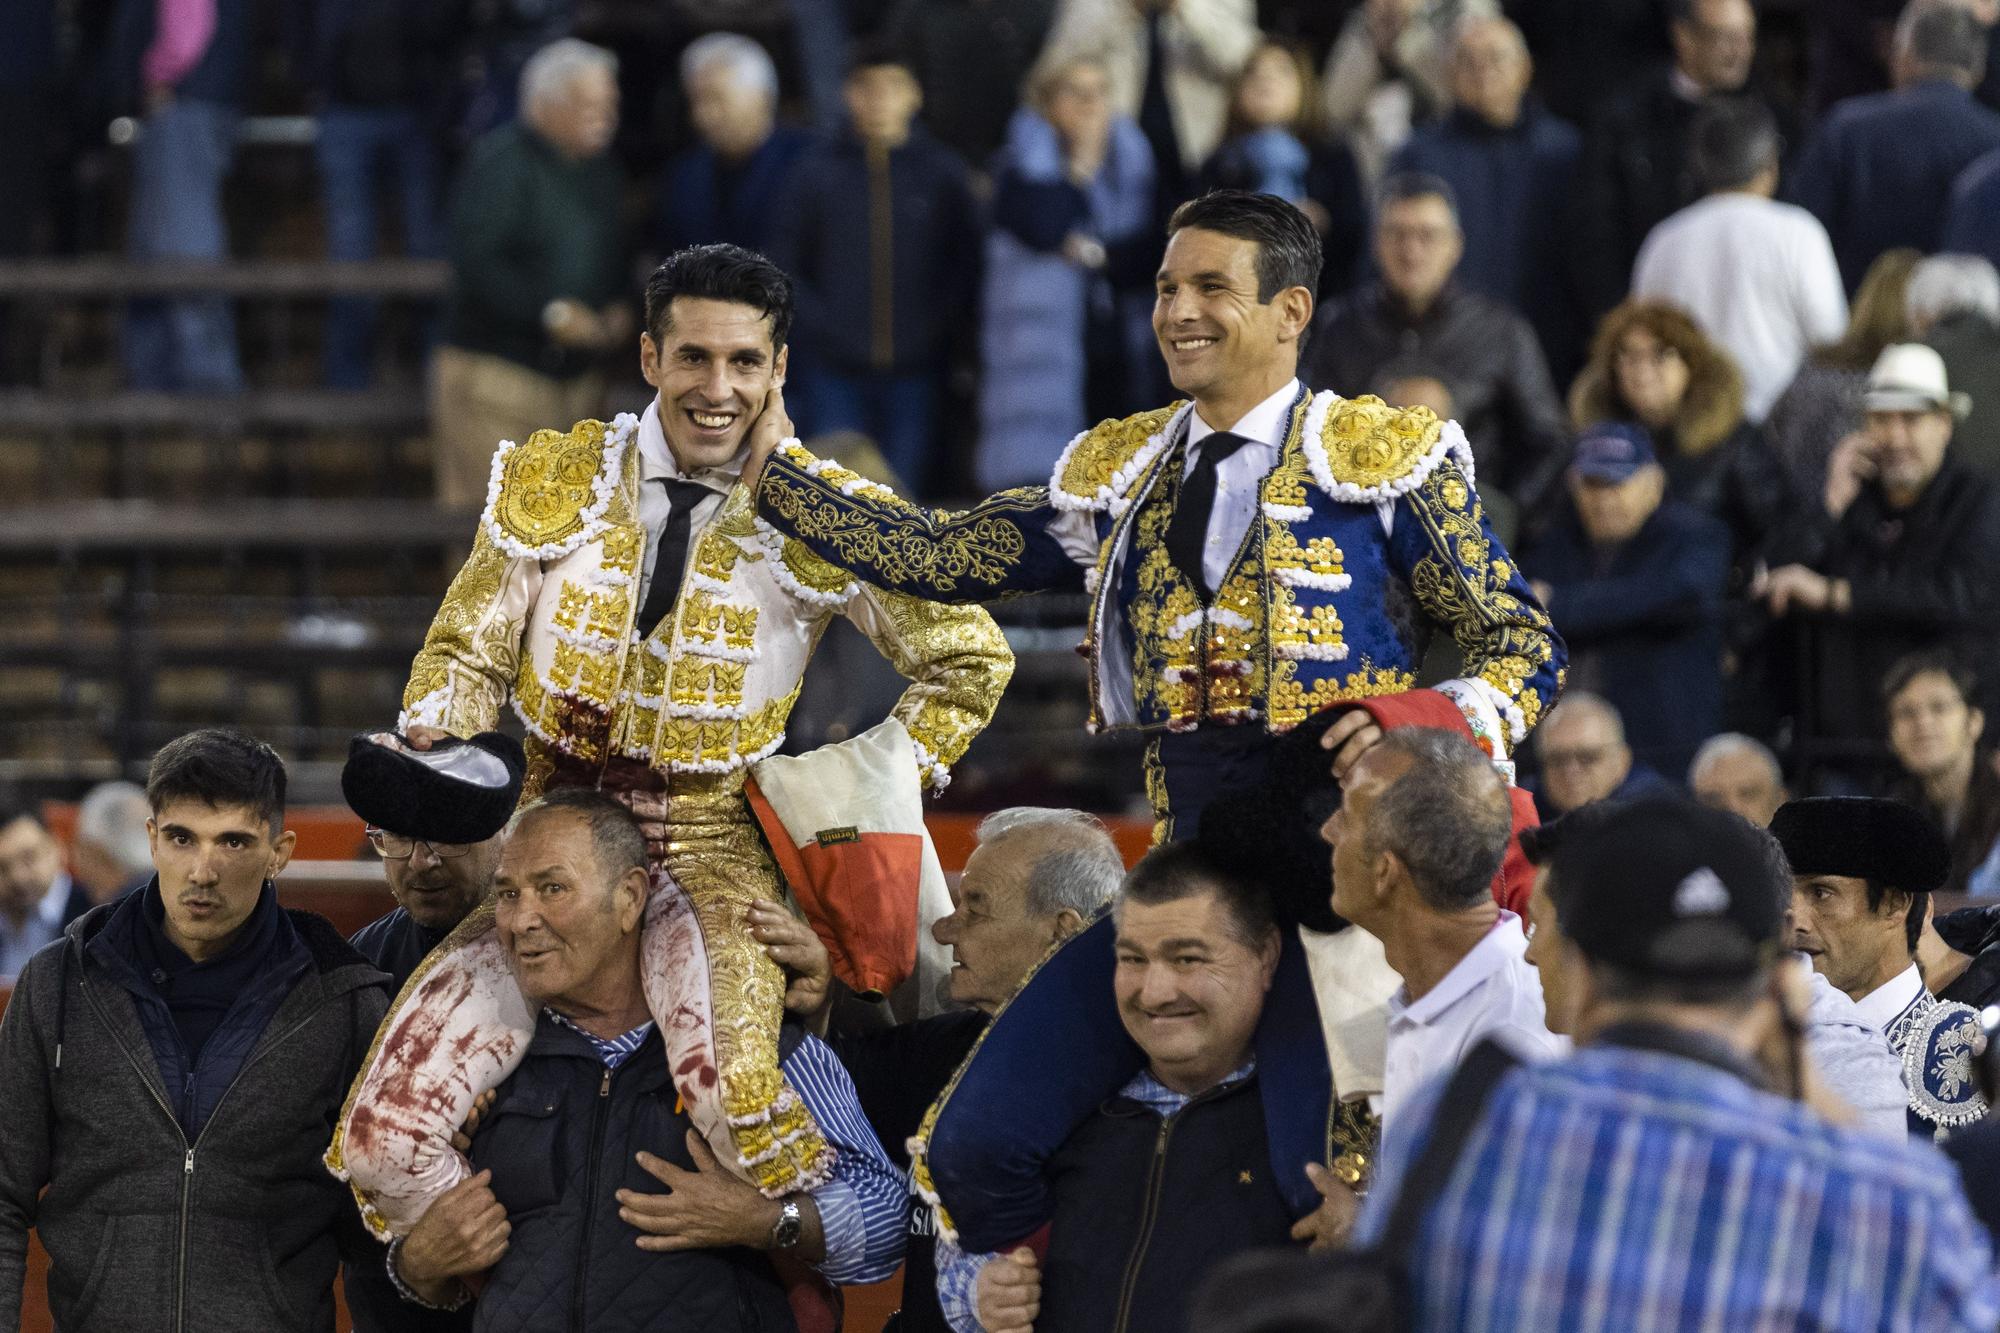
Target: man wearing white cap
1904	557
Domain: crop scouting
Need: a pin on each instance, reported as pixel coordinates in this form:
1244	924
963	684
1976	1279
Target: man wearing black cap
1863	871
435	817
1662	1146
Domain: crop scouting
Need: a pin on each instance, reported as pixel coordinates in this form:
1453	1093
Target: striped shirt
1637	1190
862	1209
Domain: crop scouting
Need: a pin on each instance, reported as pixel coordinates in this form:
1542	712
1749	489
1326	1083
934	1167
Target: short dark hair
616	841
1403	186
1288	249
1939	36
875	52
720	273
1733	139
1931	662
1913	914
1447	818
1178	870
219	767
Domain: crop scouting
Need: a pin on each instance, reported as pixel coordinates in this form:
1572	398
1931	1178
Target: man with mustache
652	637
171	1065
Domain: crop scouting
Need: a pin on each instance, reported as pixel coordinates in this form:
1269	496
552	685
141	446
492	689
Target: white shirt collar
1881	1006
1263	424
656	457
50	908
1497	948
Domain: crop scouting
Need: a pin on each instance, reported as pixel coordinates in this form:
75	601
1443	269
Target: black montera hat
1893	844
458	791
1668	888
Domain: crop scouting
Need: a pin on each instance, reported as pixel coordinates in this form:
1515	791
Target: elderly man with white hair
538	258
725	187
111	852
1739	774
1954	306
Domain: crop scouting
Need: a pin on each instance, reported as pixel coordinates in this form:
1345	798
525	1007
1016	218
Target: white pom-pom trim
1450	443
772	543
429	711
1111	496
603	486
1288	513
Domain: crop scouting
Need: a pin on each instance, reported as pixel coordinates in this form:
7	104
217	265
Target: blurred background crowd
1710	285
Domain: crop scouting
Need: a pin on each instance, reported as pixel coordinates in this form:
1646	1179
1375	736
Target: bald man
1581	750
1739	774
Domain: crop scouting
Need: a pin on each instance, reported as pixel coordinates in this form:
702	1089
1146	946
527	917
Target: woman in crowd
1066	337
1651	366
1822	406
1273	144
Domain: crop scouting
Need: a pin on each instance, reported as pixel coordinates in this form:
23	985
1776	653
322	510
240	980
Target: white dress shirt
1493	991
1758	276
656	466
1881	1007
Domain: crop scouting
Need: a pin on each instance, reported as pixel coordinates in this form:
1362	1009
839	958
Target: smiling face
1932	728
569	930
714	364
1219	340
212	863
1189	990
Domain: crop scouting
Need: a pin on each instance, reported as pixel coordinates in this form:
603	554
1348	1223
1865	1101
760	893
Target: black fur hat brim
458	791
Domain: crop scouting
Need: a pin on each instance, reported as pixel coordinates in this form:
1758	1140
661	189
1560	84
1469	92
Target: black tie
670	558
1187	531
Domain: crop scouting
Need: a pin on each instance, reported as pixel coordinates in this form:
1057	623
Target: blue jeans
895	411
187	344
355	143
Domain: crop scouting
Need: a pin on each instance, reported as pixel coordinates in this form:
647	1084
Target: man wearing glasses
417	824
1584	758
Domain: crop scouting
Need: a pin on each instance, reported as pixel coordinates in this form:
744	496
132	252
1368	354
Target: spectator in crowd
1757	275
1634	582
1066	333
1878	171
1972	219
499	40
1272	145
1863	871
38	899
189	67
1171	64
372	67
947	41
557	1182
1897	560
1581	750
1935	731
1512	167
1486	351
1954	306
1197	948
173	1063
1422	827
1635	154
1849	1075
1585	48
1388	72
1739	774
1671	922
1847	49
1651	366
111	854
1036	877
426	825
878	232
1822	406
727	186
537	253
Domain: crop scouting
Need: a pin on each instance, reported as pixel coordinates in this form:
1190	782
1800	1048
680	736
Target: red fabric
1428	708
816	1303
859	896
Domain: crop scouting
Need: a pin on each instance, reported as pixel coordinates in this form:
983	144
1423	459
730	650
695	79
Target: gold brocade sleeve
1466	582
958	664
471	654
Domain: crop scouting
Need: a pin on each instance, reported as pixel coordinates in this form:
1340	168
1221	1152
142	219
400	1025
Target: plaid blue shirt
1639	1190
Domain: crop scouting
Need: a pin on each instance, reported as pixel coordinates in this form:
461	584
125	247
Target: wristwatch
790	1225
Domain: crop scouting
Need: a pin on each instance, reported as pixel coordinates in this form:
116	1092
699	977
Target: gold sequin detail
1110	445
1368	442
548	481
